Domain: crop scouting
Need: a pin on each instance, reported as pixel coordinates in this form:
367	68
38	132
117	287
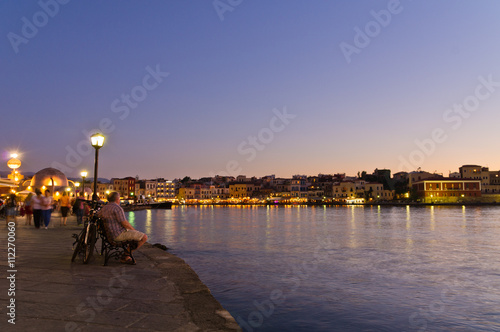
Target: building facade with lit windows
242	190
125	186
187	194
419	176
348	189
471	172
150	189
203	193
103	189
298	186
139	189
219	192
490	180
377	191
361	189
447	190
165	189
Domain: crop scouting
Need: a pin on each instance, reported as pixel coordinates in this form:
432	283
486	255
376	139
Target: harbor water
345	268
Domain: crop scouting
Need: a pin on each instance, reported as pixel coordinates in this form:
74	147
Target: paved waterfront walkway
160	293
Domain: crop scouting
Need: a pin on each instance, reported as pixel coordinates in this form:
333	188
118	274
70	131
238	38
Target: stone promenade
160	293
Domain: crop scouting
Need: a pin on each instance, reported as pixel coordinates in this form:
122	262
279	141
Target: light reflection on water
347	268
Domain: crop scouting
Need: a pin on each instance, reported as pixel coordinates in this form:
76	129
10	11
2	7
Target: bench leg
117	251
127	250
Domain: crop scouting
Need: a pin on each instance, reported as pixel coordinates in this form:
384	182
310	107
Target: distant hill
89	180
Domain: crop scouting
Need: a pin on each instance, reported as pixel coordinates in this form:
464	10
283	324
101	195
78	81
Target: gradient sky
227	79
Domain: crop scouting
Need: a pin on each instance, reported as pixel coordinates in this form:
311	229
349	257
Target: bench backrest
104	231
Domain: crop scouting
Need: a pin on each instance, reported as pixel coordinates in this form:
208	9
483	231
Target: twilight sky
257	87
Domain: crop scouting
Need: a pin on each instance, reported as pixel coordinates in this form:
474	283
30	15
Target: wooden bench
111	248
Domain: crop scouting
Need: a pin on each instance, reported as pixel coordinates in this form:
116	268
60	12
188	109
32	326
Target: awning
7	183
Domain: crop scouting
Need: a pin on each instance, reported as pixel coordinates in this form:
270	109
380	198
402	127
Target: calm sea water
349	268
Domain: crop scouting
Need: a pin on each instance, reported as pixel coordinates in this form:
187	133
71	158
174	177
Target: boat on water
161	205
136	207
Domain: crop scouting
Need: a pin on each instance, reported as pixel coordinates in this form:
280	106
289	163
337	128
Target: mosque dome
45	177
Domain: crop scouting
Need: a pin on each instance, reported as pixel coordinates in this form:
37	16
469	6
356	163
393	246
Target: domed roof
43	178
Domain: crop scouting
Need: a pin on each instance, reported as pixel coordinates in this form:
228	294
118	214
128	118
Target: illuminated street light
97	141
14	163
84	175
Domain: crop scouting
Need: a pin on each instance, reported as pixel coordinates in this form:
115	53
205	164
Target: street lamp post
52	184
84	175
97	141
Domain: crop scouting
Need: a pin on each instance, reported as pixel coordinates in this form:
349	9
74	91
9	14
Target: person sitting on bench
118	228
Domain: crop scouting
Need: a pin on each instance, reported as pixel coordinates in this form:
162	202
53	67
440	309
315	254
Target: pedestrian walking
47	206
78	208
36	203
11	210
65	206
28	209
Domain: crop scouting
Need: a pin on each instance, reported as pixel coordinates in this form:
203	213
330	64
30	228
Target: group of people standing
42	206
39	207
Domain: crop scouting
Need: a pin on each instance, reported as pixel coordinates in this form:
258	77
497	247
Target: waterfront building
140	190
447	190
348	189
242	178
315	193
471	172
205	193
298	186
490	180
419	176
155	189
361	189
186	194
103	189
280	196
377	191
335	177
264	193
219	180
196	192
313	180
197	189
268	180
125	186
219	193
150	189
165	189
281	185
325	182
242	190
400	176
